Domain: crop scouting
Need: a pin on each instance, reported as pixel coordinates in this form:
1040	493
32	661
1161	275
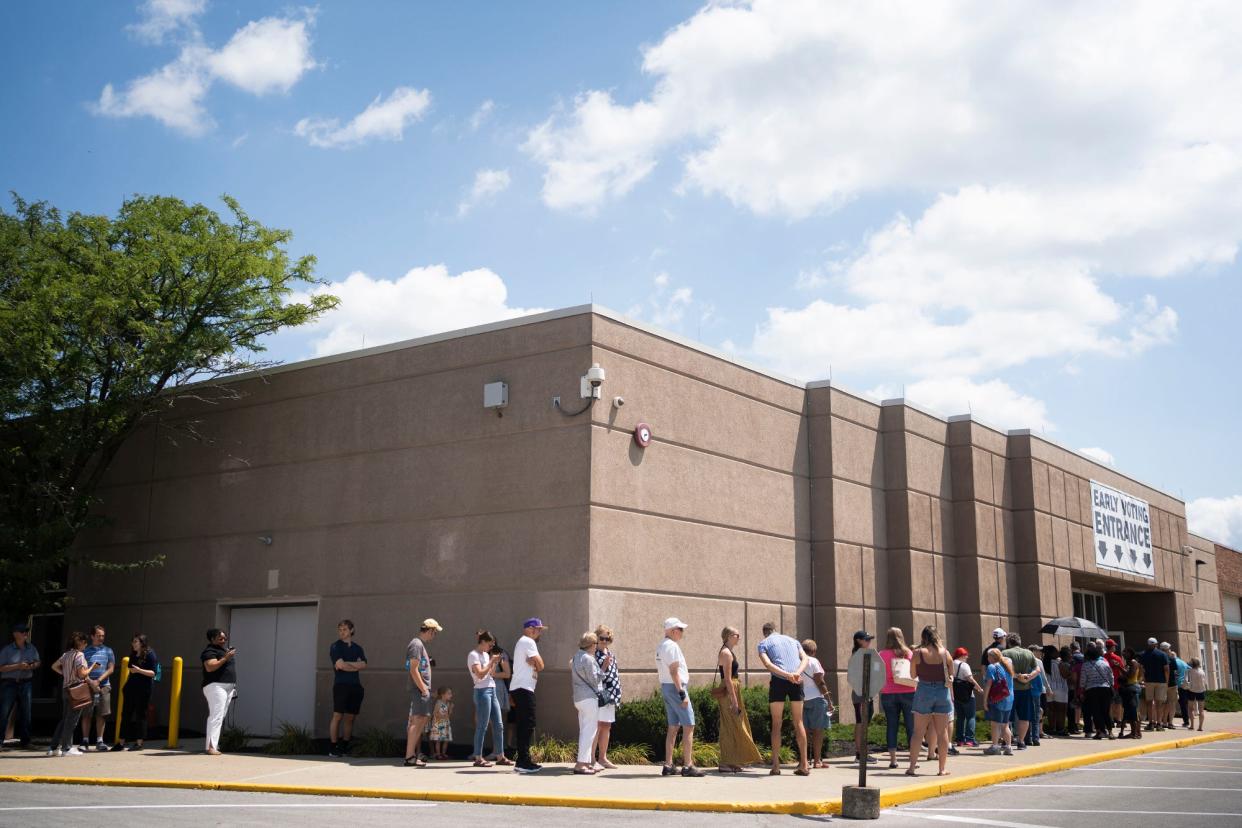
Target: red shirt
1119	669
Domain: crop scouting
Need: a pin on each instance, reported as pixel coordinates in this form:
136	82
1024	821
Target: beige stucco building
375	486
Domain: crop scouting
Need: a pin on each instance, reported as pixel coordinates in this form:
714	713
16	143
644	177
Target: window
1090	605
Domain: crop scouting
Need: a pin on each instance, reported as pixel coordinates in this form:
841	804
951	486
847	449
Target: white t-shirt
477	659
668	653
524	677
813	668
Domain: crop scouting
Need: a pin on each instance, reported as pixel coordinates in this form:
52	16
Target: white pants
218	695
588	720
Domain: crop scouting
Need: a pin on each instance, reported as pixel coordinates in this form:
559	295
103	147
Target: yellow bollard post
120	700
174	703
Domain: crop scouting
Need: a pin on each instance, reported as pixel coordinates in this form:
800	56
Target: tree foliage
105	323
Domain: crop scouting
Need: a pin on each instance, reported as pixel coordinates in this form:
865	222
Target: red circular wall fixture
642	435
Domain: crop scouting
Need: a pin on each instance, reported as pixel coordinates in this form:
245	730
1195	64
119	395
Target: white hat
674	623
1164	645
1151	642
998	633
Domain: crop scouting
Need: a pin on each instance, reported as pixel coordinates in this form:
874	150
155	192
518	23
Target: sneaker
531	768
73	751
953	751
1007	751
1035	743
120	746
992	751
668	770
334	752
1020	746
101	747
692	771
134	747
53	751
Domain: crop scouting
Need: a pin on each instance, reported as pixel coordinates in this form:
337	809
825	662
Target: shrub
549	749
629	754
1223	701
293	740
377	743
642	721
233	739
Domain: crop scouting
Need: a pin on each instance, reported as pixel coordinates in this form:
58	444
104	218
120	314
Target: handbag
999	689
963	692
719	691
901	673
80	695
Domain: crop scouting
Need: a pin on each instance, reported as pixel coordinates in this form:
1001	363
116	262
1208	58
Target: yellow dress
737	746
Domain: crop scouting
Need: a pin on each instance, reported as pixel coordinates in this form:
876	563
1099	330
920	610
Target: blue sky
1031	212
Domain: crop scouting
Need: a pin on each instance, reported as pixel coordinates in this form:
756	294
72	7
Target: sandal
910	772
414	762
774	772
584	772
503	761
802	772
482	763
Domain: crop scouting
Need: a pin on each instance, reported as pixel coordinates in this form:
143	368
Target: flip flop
802	772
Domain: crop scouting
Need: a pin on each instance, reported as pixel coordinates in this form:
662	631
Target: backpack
999	691
963	691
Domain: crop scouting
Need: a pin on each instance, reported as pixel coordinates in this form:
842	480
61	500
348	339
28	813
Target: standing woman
504	672
142	663
584	678
1096	679
998	702
611	679
482	662
1131	690
737	746
219	683
897	700
964	689
932	703
1058	703
1196	689
74	670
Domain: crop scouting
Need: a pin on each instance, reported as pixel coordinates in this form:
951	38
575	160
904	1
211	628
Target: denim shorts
815	714
676	714
995	714
932	697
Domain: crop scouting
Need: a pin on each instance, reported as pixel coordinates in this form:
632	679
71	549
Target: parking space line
1150	770
996	823
194	806
1078	786
1081	811
1196	758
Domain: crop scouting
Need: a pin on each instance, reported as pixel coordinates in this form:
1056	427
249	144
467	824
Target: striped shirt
1096	674
609	677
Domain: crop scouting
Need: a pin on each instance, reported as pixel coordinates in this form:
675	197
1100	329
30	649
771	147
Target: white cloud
424	301
1099	455
993	401
1216	518
161	18
384	119
667	307
487	185
264	56
268	55
482	114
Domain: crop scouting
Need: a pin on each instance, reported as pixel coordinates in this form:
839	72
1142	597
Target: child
1196	686
441	723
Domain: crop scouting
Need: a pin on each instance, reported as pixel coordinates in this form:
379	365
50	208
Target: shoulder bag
902	673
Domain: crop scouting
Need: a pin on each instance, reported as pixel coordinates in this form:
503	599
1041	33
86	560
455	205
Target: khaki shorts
1156	692
104	709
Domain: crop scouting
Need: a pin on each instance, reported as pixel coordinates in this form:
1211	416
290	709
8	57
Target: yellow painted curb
888	798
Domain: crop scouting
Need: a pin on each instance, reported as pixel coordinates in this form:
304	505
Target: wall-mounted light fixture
266	540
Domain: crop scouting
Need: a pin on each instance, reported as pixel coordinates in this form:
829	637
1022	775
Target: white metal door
275	666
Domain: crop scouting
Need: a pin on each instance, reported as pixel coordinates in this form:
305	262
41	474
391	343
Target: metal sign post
866	705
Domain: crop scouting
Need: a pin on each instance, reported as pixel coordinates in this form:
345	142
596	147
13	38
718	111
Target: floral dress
441	722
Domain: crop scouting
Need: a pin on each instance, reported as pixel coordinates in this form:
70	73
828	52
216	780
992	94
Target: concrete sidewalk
628	787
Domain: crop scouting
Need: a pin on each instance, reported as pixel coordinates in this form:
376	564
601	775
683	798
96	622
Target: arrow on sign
1133	556
1103	549
1147	559
1117	551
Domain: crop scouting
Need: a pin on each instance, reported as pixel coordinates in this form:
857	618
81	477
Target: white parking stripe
1150	770
350	805
1116	787
1082	811
1184	756
996	823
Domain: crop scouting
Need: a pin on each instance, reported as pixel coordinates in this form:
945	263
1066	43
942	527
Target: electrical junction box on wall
495	395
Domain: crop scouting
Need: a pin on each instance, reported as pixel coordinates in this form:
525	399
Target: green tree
105	323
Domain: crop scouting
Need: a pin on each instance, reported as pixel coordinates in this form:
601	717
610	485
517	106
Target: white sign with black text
1122	525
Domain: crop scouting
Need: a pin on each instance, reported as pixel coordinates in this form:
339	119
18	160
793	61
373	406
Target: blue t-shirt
997	673
1182	669
340	651
99	658
783	651
1154	662
1038	684
10	654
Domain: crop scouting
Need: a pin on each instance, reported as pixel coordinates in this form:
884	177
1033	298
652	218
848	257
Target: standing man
526	666
102	662
1025	704
18	661
1118	667
347	660
998	643
1155	683
674	677
419	665
785	659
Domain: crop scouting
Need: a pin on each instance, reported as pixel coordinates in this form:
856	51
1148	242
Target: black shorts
781	689
864	712
347	698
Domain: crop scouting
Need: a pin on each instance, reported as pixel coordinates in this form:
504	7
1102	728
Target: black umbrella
1076	627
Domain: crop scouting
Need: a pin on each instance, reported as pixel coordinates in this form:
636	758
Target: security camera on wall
591	381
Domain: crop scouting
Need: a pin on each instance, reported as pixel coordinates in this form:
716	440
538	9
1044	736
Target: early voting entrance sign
1122	525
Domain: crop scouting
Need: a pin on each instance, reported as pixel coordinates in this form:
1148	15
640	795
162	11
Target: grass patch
629	755
292	740
376	743
233	739
549	749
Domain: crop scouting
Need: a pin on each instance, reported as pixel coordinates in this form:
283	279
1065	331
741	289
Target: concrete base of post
860	803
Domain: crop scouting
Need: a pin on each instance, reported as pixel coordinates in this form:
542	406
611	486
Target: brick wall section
1229	578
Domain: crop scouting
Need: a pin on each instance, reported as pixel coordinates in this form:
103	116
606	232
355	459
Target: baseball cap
998	633
959	652
674	623
533	622
1110	643
21	626
1151	642
1164	645
863	635
431	624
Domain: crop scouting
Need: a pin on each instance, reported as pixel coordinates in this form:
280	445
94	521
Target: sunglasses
609	640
